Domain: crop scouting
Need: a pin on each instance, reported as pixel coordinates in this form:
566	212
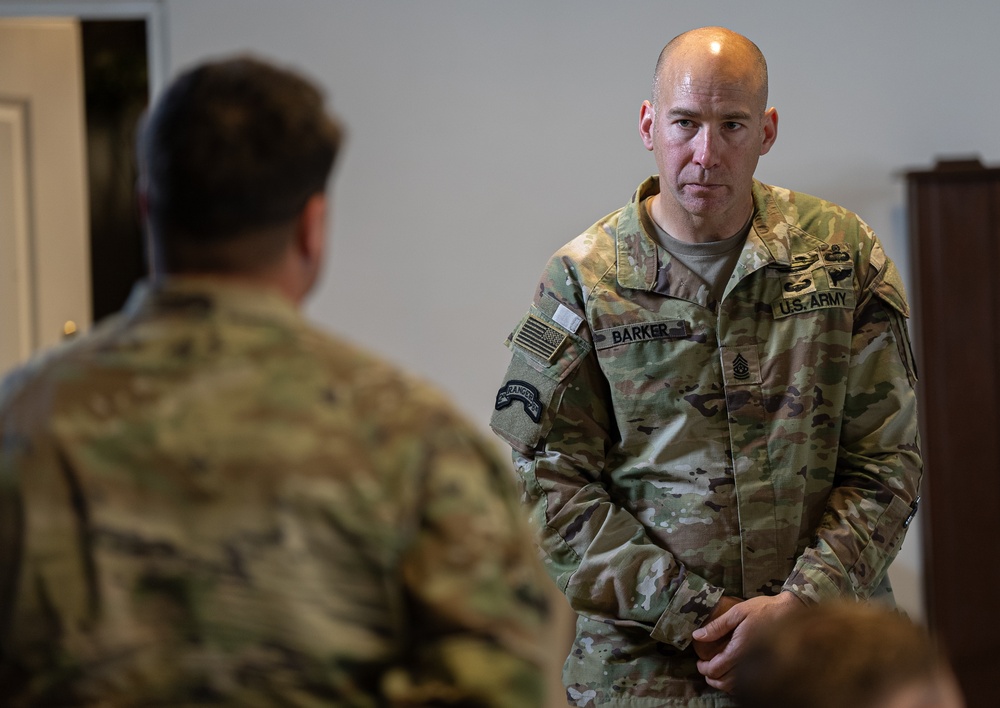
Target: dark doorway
115	67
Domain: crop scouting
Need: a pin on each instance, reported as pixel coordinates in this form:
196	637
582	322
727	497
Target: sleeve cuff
688	610
811	585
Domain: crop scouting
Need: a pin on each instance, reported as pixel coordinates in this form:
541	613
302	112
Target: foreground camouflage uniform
222	506
673	448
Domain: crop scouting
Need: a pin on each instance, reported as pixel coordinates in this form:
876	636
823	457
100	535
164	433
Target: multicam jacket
673	448
208	502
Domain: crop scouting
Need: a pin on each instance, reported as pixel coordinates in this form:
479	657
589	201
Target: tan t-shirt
713	262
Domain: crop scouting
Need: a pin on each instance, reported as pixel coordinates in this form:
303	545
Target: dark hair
232	147
836	654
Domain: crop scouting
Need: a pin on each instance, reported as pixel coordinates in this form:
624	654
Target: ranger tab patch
521	391
540	338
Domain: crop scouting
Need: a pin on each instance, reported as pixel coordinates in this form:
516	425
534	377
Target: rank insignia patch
540	338
741	368
521	391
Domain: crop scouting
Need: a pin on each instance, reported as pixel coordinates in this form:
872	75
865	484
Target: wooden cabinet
954	223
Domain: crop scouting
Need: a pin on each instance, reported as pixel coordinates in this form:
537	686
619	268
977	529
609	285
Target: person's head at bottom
840	654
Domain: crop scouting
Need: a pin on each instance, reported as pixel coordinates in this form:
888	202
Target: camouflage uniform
214	503
673	448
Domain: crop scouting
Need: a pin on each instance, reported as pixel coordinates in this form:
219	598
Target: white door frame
15	253
149	10
36	263
46	277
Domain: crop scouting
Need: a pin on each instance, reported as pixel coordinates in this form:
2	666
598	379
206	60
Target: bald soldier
207	501
710	400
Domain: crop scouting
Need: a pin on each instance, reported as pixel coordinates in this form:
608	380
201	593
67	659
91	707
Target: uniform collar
640	258
638	255
207	297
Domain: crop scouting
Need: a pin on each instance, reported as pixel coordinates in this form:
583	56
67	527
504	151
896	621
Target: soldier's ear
770	129
311	228
310	242
647	117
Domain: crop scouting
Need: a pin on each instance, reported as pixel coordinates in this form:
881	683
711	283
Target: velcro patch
740	365
842	277
793	285
812	301
641	332
836	254
524	392
540	338
565	317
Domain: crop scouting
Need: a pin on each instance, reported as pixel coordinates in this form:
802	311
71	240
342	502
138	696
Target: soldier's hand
707	649
738	624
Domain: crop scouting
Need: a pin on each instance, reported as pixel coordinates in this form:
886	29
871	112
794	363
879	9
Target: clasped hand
722	641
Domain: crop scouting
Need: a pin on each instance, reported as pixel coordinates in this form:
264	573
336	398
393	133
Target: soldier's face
706	135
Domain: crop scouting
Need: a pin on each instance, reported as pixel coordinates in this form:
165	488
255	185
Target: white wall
484	134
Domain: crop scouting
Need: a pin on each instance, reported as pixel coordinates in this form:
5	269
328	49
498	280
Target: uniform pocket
544	356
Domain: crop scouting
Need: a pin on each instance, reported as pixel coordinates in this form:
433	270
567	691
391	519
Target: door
44	244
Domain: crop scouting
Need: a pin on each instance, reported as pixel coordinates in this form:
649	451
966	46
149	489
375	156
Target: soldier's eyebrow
680	112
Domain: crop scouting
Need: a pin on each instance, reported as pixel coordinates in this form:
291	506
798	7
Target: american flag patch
540	338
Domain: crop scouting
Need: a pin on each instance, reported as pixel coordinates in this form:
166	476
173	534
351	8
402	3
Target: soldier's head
231	157
730	51
845	654
707	124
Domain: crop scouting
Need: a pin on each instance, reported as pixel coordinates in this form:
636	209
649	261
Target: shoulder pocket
888	288
888	284
545	354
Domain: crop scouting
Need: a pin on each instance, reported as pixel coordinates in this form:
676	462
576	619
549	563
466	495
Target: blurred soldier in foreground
841	654
206	501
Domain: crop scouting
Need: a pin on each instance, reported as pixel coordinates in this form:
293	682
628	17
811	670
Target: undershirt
713	261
